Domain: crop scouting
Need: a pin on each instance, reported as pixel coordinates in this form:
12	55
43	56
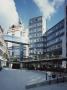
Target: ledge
46	82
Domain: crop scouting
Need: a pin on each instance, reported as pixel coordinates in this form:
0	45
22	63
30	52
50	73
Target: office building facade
54	39
35	36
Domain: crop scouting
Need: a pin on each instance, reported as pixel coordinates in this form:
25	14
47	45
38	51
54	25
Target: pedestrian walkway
11	79
43	82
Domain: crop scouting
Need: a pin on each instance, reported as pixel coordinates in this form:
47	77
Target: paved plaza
11	79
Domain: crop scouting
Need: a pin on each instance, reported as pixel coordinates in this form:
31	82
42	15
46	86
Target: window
39	24
1	52
40	19
1	44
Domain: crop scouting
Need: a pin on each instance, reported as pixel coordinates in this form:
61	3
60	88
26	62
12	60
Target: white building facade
3	49
18	51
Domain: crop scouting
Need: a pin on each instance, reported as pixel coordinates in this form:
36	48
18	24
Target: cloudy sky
11	10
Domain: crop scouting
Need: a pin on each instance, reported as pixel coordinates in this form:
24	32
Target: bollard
63	79
49	79
0	68
46	75
57	79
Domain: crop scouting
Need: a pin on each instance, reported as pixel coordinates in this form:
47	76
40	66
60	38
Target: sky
10	11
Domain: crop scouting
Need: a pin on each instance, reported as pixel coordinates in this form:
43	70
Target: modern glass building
54	39
35	36
53	42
